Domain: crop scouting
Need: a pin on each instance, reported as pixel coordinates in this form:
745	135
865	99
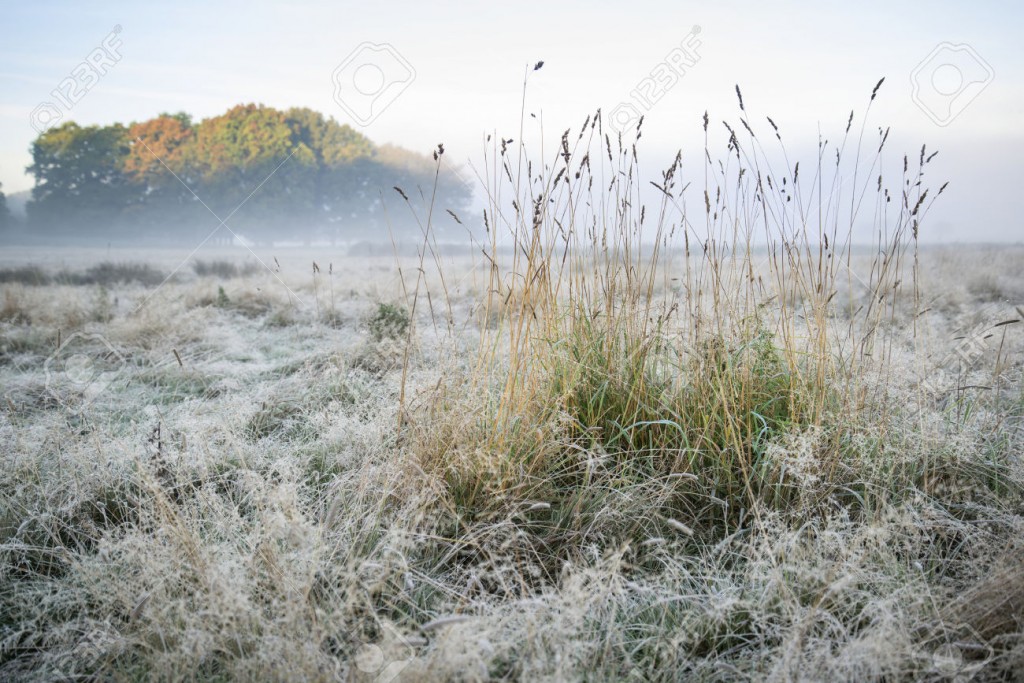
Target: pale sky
804	64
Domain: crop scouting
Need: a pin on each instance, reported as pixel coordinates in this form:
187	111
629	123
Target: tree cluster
271	175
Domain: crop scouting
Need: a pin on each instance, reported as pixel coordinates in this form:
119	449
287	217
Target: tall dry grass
671	350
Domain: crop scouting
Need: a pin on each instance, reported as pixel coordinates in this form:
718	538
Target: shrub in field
389	321
26	275
108	273
224	270
104	274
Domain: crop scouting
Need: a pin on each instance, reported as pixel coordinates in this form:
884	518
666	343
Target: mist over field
573	342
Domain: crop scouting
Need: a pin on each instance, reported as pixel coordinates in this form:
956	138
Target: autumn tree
269	174
154	166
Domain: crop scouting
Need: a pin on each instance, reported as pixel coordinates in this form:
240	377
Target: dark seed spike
877	86
740	96
920	201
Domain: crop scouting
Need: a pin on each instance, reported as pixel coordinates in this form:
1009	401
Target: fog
302	120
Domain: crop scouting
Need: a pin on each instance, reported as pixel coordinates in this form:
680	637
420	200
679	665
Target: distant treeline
279	175
6	219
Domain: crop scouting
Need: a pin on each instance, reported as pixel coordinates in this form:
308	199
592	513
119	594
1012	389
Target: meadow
596	447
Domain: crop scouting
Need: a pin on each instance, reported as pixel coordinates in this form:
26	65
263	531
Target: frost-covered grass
574	457
253	511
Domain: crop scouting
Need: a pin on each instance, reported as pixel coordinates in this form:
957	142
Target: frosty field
568	343
281	475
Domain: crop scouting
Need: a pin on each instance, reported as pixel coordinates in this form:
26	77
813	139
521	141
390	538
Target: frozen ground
206	479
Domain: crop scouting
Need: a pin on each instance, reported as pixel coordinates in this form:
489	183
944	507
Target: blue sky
807	65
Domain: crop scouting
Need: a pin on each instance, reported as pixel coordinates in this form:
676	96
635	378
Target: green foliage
389	322
79	176
142	181
631	397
